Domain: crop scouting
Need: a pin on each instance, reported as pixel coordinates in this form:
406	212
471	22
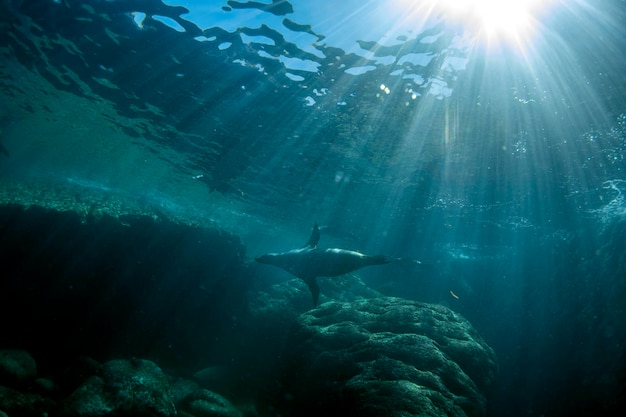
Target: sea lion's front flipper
315	289
315	237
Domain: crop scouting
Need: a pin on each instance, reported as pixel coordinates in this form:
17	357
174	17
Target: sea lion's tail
380	259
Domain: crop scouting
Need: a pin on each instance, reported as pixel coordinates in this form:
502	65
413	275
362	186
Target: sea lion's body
314	262
309	262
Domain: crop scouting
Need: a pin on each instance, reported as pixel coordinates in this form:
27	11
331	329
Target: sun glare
513	18
495	21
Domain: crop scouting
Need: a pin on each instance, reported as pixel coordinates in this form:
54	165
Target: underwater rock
273	310
45	386
385	356
181	389
88	278
286	300
79	370
17	367
204	403
220	379
16	403
123	387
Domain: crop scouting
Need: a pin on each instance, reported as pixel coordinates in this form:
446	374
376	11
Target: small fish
454	295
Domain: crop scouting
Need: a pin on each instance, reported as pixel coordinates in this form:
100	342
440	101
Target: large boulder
17	367
135	387
385	357
205	403
25	404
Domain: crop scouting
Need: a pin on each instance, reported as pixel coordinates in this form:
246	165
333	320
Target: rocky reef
133	315
123	286
120	387
371	357
385	357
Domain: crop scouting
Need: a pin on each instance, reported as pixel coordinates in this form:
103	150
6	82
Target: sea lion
309	262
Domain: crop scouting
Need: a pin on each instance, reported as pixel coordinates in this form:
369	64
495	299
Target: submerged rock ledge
90	201
105	285
386	356
119	387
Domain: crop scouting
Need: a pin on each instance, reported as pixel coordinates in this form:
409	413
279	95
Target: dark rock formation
123	387
138	387
17	367
204	403
385	357
108	287
18	373
25	404
118	388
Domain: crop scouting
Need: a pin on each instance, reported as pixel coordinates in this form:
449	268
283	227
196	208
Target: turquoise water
496	159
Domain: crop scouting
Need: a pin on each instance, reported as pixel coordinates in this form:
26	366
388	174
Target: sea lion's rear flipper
315	289
315	237
379	260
